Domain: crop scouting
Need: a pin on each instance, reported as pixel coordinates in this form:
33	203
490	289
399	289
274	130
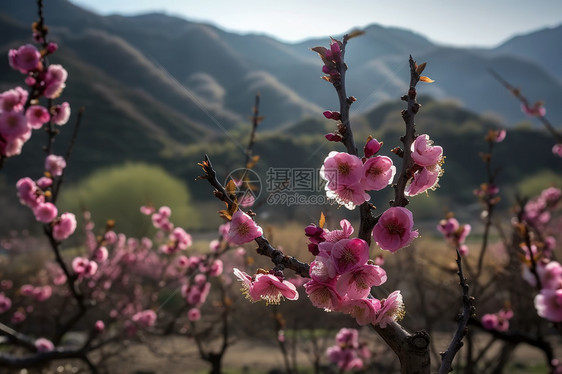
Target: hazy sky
463	23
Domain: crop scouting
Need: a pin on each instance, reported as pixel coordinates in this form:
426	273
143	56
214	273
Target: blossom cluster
455	233
342	276
347	352
20	112
549	301
539	269
348	178
37	195
428	159
497	321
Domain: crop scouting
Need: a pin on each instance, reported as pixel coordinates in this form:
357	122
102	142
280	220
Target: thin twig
467	312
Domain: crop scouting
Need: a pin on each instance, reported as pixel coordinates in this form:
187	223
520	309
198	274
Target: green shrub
118	192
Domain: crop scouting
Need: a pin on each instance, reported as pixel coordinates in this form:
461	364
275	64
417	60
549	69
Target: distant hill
166	90
165	56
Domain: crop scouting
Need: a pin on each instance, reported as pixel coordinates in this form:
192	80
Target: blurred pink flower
55	165
489	321
64	226
537	110
36	116
55	79
44	345
13	125
13	100
25	59
45	212
5	303
549	304
60	113
194	314
393	231
145	318
28	192
557	150
99	325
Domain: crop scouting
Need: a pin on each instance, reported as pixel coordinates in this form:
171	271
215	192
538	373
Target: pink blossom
64	226
363	310
25	59
42	293
348	254
392	309
423	180
323	269
216	268
145	318
18	317
44	183
537	110
356	284
348	337
13	125
557	150
424	153
181	238
372	147
247	284
341	169
348	196
147	209
323	295
60	113
55	165
498	136
45	212
5	303
44	345
243	229
549	304
194	314
393	231
13	100
13	147
36	116
55	79
270	288
489	321
337	235
83	267
28	192
378	172
27	290
99	326
550	275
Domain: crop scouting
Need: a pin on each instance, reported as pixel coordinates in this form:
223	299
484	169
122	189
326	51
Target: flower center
344	169
394	228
